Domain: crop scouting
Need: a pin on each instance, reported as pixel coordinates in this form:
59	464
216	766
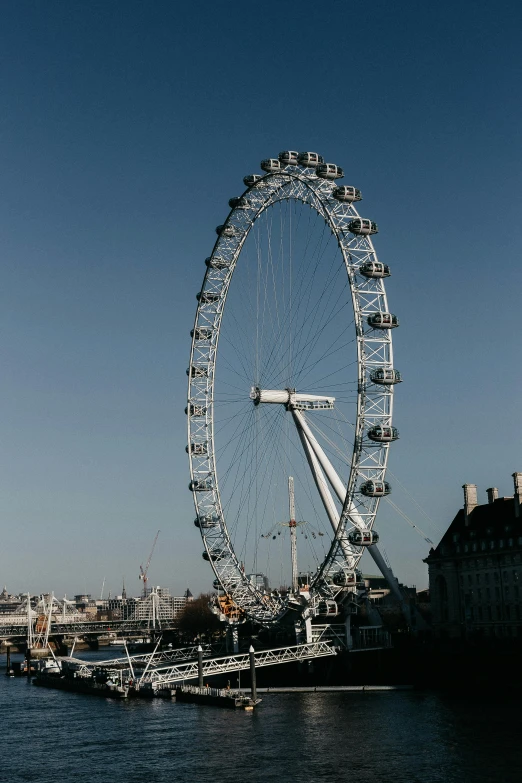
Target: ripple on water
405	737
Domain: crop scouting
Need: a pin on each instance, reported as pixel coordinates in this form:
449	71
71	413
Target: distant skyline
125	129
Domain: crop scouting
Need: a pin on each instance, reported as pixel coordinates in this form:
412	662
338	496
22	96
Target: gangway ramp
164	676
180	655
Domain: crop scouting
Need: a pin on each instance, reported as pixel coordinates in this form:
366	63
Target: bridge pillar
200	666
253	684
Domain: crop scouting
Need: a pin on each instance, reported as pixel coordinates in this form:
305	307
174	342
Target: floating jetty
87	685
215	697
72	675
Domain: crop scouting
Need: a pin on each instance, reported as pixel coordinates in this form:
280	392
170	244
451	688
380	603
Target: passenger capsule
196	371
198	449
217	554
239	202
226	231
271	165
383	434
383	321
216	262
347	194
202	333
289	158
363	537
216	584
344	578
310	159
207	297
251	179
374	269
195	410
363	227
375	489
327	609
329	171
385	376
201	485
206	522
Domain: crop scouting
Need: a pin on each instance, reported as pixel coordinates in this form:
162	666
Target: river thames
400	736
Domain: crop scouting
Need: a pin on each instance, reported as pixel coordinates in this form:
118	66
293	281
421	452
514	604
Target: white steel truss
163	676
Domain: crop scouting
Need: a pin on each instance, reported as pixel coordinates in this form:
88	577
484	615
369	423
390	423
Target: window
515	592
507	610
486	578
483	545
498	612
492	544
501	543
480	613
489	613
497	592
506	591
495	576
474	546
470	579
479	594
477	578
488	593
515	576
466	547
506	576
510	542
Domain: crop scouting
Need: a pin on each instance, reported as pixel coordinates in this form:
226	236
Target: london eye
291	373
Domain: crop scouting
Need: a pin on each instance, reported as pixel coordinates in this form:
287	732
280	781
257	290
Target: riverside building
475	572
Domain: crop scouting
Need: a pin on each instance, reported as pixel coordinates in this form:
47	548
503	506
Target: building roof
492	522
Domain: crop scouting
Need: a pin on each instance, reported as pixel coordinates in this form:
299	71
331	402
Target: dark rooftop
492	522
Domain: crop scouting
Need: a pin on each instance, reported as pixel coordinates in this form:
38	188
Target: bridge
164	676
18	631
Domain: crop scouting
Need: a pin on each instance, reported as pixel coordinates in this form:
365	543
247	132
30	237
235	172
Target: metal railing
162	676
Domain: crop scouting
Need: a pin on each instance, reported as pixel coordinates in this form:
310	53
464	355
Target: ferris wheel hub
291	399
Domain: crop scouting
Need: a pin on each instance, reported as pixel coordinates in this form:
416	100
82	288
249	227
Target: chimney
470	500
517	479
492	494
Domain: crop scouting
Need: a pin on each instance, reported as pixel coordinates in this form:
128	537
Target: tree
197	620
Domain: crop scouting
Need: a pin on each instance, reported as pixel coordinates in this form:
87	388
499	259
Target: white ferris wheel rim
374	402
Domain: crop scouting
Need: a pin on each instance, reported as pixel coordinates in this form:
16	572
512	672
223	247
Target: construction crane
143	571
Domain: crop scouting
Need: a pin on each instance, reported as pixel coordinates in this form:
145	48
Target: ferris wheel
291	372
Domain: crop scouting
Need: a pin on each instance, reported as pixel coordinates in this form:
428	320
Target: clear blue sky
124	129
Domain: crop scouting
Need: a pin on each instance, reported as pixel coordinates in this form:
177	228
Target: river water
401	736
